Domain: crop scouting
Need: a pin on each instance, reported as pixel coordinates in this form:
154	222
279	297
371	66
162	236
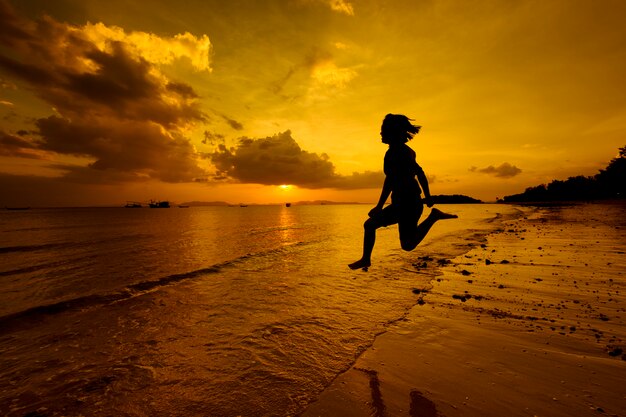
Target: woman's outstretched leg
369	238
408	244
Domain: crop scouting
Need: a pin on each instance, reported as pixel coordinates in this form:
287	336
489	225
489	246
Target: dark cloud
279	160
504	170
212	138
11	29
182	89
17	146
232	123
113	106
88	175
136	149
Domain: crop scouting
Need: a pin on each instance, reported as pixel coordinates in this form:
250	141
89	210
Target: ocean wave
34	314
31	248
32	268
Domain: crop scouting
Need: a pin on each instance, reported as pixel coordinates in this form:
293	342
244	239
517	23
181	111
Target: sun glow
284	187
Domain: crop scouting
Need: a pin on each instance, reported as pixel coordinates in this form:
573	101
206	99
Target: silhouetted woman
406	206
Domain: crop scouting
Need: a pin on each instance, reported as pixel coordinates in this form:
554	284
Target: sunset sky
211	100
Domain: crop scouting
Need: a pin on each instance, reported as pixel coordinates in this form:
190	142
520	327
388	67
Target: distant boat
287	204
17	208
243	205
182	206
133	204
159	204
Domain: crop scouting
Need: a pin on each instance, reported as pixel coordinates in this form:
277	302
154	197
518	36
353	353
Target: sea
202	311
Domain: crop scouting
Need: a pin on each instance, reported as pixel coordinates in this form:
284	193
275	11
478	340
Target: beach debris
420	301
443	262
466	272
614	351
462	297
603	317
470	281
504	261
488	262
501	286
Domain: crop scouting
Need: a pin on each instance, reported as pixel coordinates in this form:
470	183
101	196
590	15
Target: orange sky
103	102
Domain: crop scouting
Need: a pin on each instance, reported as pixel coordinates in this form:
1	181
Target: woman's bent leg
410	240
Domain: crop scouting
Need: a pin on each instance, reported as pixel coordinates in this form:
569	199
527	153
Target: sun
284	187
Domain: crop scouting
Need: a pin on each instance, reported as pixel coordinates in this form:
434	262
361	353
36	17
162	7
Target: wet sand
530	323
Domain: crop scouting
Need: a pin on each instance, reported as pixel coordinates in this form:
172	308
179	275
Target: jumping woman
406	206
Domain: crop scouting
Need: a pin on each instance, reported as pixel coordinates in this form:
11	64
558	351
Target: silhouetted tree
608	183
612	180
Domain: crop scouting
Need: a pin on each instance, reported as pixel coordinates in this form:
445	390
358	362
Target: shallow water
220	311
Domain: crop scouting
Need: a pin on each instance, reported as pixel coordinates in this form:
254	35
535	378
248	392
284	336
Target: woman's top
400	168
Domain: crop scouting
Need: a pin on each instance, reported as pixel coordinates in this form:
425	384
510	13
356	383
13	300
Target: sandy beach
530	323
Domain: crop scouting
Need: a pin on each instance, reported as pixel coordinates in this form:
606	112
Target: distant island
454	199
609	183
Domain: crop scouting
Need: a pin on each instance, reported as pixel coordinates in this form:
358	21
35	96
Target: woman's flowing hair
400	127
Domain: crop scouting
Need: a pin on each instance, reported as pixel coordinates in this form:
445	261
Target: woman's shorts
406	216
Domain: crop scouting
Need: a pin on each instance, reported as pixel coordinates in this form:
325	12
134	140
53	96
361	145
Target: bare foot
440	215
360	264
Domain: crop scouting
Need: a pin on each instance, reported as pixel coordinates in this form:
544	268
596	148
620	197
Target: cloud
212	138
154	49
322	71
7	85
504	170
113	104
278	159
136	150
232	123
17	146
340	6
329	75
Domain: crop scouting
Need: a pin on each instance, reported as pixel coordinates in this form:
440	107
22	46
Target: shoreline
530	323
